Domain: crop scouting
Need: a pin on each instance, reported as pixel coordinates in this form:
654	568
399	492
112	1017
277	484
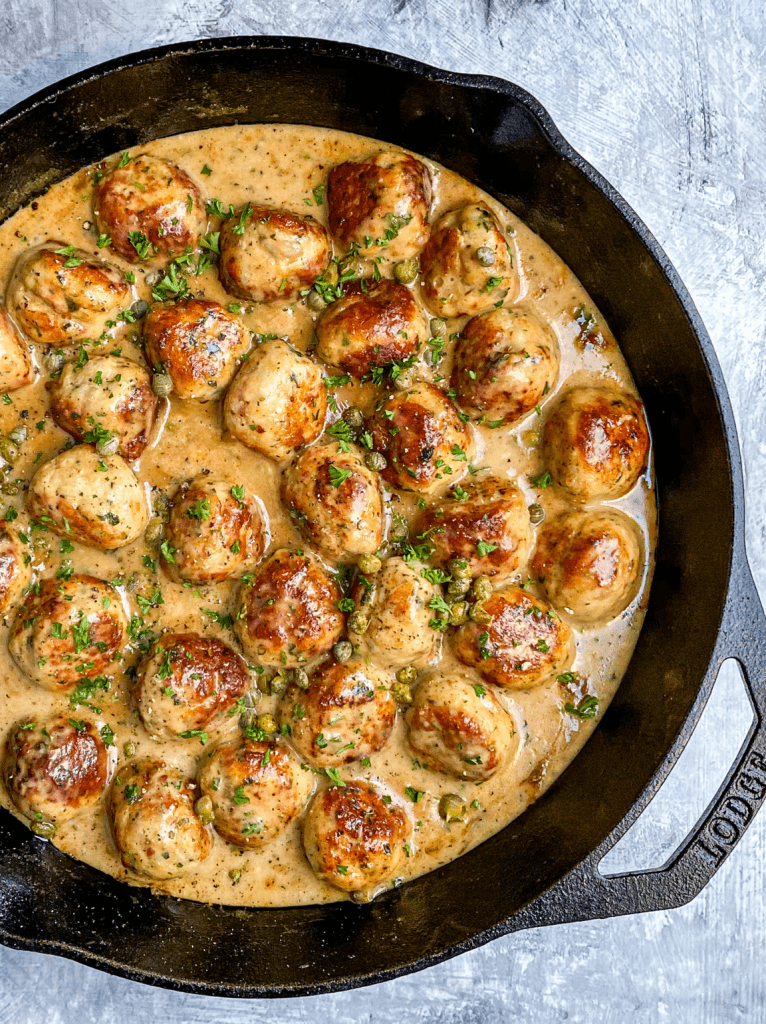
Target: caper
19	434
331	274
108	445
129	749
9	450
343	650
204	809
54	361
266	723
482	588
375	461
531	438
536	513
457	588
235	874
452	807
140	308
459	568
44	829
407	675
153	532
369	565
480	615
358	622
438	327
399	528
263	683
485	255
407	271
134	582
406	379
401	692
353	417
10	487
161	504
278	684
162	385
458	613
301	678
315	302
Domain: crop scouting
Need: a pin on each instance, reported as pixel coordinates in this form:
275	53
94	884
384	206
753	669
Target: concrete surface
667	98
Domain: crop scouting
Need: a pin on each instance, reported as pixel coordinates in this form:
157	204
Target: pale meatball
466	265
335	501
198	343
68	630
371	328
588	564
596	443
257	787
277	402
15	567
426	444
486	523
216	531
354	838
107	395
460	727
93	498
59	295
156	828
346	713
271	254
16	369
506	361
397	602
525	644
289	611
187	683
381	205
150	209
55	768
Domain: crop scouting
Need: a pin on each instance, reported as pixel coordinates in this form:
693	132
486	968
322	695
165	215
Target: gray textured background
667	98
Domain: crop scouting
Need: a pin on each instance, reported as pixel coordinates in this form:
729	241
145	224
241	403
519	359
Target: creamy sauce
279	166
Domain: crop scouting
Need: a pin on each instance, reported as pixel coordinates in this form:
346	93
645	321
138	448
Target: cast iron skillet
542	869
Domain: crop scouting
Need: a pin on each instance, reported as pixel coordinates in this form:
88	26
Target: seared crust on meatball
383	200
271	254
396	602
466	265
353	838
277	402
588	564
150	209
93	498
156	829
59	295
257	788
524	645
346	713
506	360
371	328
55	768
288	612
106	393
596	443
426	444
15	572
198	342
335	500
68	630
16	369
216	530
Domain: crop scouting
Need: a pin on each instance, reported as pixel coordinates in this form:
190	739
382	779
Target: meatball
346	713
68	630
216	530
55	768
108	394
588	564
15	568
93	498
506	360
460	727
150	209
271	254
288	612
397	602
257	788
156	828
355	837
596	443
187	683
277	402
371	328
59	295
16	369
335	500
381	205
524	645
420	433
466	265
486	523
198	343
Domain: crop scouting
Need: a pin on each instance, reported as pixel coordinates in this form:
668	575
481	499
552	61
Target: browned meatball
588	564
216	531
271	254
67	630
59	295
15	568
596	443
426	444
371	328
380	204
335	500
187	683
525	644
150	209
288	613
55	768
16	369
346	713
506	360
198	343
